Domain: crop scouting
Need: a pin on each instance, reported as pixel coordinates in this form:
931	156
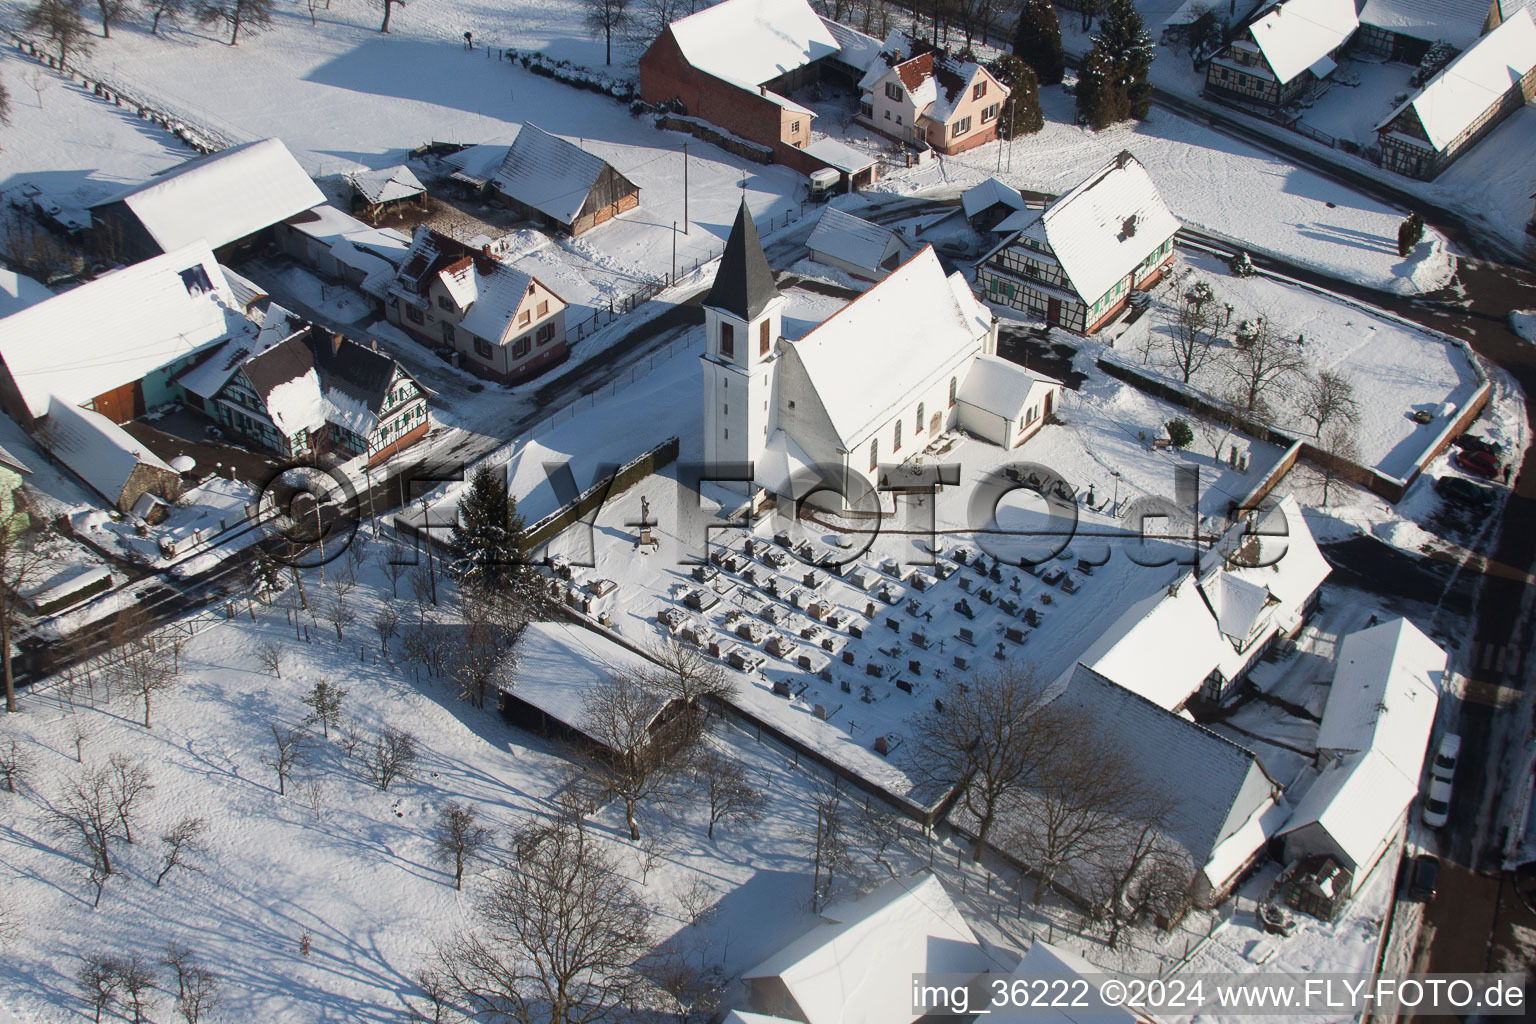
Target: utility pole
685	190
674	252
426	542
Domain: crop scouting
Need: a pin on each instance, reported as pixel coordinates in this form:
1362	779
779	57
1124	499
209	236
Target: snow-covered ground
1523	323
1395	369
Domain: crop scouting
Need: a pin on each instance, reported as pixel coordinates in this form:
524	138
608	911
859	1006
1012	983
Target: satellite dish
183	463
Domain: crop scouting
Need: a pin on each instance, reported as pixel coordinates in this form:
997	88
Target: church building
861	392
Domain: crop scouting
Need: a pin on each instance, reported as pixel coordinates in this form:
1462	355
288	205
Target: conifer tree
488	531
1021	115
1037	39
1124	38
1409	233
1101	101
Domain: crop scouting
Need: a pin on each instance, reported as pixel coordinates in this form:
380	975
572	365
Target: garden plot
337	859
1396	370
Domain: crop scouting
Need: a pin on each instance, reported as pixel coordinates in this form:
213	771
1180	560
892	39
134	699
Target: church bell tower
743	318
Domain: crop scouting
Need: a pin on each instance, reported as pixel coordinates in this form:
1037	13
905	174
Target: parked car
1478	443
1424	877
1444	764
1437	806
1466	492
1478	463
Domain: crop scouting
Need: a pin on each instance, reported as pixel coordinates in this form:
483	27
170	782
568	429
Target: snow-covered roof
557	664
1386	686
477	164
1208	773
1103	228
1049	962
7	459
935	81
745	1017
1473	82
1164	646
1238	849
118	327
750	42
988	194
1294	34
284	378
854	48
18	291
893	340
388	185
851	239
1002	387
222	197
1357	800
840	155
1457	22
490	289
548	173
99	451
784	467
207	377
859	970
376	252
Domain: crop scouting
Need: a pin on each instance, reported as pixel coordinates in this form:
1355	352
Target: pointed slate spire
743	285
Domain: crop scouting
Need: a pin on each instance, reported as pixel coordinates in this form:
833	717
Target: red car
1478	463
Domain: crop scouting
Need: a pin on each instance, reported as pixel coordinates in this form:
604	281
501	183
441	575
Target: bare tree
182	840
832	852
1261	364
876	832
251	15
1337	448
392	758
110	11
647	18
171	11
386	622
389	9
15	764
1074	812
995	736
458	836
1117	881
560	933
603	18
22	566
1328	396
324	703
127	783
86	813
64	21
634	754
1193	328
336	608
421	589
696	900
437	991
728	790
391	560
480	649
98	979
288	751
687	674
271	654
144	665
201	997
137	977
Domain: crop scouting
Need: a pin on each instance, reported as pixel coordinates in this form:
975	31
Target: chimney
485	250
762	90
336	341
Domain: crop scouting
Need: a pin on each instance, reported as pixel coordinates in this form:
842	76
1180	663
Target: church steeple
743	284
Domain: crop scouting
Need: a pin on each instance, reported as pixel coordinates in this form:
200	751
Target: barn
561	185
229	200
854	245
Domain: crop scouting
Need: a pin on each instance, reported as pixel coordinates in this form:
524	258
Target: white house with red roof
916	93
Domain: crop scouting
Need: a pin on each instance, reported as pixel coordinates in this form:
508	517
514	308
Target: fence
593	497
192	135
